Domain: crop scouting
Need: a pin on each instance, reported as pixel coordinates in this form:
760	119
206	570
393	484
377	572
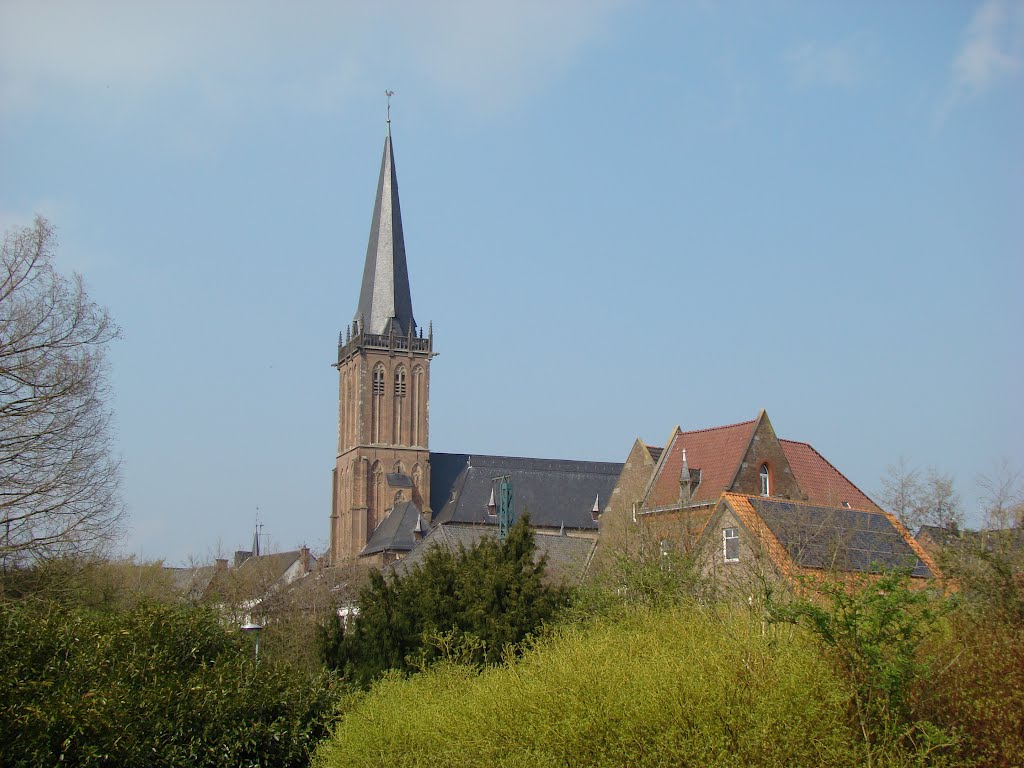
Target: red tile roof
822	482
716	452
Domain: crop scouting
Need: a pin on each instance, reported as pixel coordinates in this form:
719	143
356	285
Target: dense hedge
665	688
155	685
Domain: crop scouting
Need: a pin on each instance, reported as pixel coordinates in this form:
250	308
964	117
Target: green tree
474	603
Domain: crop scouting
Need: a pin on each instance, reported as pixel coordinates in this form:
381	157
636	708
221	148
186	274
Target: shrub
977	689
154	686
670	687
873	630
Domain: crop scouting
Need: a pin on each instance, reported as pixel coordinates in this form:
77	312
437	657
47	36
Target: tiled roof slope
716	452
567	556
833	538
822	482
556	492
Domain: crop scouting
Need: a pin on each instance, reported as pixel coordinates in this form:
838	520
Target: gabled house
782	497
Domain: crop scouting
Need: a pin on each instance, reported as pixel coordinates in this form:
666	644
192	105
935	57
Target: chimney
241	556
221	564
304	559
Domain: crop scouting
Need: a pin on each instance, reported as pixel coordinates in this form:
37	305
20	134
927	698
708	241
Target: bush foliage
155	685
669	687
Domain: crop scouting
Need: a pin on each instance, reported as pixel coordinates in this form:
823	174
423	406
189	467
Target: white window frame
766	480
730	534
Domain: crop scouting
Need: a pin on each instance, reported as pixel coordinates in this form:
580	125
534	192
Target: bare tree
916	500
58	479
940	503
1003	496
901	492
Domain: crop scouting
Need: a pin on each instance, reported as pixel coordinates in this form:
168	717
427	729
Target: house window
731	544
766	488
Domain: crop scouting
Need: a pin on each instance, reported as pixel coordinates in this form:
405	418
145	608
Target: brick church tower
384	387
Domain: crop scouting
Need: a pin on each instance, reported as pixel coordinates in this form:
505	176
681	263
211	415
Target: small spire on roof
491	505
685	482
561	530
597	505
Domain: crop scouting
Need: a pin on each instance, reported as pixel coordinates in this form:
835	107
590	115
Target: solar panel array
836	538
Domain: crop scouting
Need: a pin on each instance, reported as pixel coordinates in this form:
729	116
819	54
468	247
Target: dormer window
766	486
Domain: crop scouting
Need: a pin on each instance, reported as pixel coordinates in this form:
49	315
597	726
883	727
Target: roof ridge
724	426
500	457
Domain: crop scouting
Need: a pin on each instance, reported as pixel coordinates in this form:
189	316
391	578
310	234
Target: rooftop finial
389	94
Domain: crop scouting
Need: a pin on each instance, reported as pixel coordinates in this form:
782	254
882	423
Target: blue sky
620	216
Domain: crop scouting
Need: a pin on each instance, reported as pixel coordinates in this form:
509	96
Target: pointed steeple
385	303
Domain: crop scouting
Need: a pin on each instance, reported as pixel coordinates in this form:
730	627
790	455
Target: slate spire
385	302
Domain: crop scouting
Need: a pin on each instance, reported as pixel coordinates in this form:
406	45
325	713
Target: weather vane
389	94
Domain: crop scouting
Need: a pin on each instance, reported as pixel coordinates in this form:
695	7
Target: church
389	490
738	493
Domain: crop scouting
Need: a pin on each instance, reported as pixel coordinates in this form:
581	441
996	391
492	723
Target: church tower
384	387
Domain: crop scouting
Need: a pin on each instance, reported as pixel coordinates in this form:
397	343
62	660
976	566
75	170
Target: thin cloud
834	64
991	53
59	56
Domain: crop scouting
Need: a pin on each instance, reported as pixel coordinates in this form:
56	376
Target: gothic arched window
766	487
343	413
417	405
399	410
377	403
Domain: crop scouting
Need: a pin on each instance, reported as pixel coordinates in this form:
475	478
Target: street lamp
251	627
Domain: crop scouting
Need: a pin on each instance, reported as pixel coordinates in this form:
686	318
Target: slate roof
192	582
568	556
837	538
399	480
395	532
556	492
385	302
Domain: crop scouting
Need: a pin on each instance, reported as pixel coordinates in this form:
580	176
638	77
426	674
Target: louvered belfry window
376	403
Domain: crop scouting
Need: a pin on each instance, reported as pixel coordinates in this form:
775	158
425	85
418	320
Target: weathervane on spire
389	94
